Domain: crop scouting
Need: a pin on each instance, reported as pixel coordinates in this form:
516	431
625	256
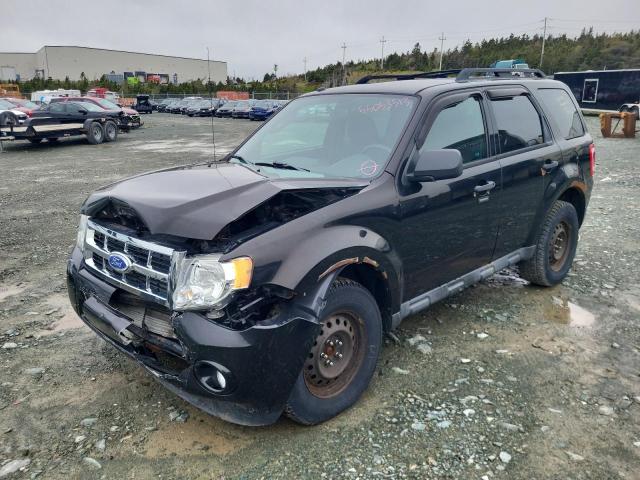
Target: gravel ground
504	380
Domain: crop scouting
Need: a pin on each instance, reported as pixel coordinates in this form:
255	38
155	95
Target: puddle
6	292
569	313
68	321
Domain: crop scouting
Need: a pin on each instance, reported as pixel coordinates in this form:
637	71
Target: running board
427	299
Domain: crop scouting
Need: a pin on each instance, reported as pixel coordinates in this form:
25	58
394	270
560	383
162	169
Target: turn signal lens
243	267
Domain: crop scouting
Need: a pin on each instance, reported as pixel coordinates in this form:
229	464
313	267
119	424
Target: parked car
265	285
263	109
242	109
21	104
134	120
143	104
226	109
164	103
631	107
9	115
203	108
64	119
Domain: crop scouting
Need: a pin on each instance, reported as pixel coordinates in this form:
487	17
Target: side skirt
427	299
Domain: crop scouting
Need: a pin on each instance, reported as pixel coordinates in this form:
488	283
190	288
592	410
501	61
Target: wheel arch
575	197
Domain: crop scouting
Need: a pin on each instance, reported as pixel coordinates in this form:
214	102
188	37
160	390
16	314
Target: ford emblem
119	262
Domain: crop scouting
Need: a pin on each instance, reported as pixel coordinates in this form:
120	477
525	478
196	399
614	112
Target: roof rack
467	73
409	76
461	74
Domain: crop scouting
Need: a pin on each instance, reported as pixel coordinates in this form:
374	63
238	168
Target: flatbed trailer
96	130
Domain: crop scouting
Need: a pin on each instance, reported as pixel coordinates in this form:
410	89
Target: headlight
82	232
203	282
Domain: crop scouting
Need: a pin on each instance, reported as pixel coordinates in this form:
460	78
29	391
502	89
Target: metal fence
252	95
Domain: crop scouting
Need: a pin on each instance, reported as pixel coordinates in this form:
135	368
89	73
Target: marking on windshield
385	105
369	168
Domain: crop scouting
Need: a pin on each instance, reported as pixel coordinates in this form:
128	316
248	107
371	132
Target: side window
73	108
459	127
559	105
56	107
518	122
590	90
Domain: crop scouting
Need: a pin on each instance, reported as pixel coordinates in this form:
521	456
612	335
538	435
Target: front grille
153	319
150	263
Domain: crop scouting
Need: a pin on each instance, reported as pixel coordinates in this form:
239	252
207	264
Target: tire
95	133
8	119
555	248
35	141
351	333
110	131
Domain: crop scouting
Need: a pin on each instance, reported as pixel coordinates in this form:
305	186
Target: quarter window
459	127
558	103
518	122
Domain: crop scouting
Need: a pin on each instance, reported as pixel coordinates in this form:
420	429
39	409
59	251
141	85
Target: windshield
91	107
230	105
6	105
341	135
23	103
107	104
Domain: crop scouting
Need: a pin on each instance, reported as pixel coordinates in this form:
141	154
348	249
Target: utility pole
544	38
442	39
382	42
344	68
304	60
213	132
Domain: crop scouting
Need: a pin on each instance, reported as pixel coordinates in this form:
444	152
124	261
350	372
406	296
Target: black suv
263	283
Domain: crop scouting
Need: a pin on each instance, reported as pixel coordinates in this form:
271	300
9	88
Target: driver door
449	227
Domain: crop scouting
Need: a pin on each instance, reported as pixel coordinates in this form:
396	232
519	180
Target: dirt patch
11	290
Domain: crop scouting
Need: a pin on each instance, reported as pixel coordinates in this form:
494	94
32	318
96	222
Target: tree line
587	51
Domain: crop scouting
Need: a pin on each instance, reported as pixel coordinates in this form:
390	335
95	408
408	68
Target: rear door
527	154
449	227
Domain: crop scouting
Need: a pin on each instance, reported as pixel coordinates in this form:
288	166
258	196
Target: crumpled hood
197	201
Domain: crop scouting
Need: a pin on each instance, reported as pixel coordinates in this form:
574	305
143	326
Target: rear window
519	125
561	108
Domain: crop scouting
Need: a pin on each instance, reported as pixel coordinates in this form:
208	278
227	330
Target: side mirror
435	165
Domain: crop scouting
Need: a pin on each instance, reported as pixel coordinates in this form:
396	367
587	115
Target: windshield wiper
238	157
281	165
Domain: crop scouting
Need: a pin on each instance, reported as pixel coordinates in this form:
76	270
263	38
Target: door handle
490	185
549	165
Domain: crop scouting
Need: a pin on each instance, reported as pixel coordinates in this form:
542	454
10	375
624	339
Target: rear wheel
95	133
343	358
110	131
555	248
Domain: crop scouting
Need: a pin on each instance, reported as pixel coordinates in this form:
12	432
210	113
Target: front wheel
343	358
556	246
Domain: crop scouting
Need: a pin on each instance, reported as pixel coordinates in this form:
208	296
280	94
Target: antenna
213	131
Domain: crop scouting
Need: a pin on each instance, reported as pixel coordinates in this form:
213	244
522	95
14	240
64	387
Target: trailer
603	89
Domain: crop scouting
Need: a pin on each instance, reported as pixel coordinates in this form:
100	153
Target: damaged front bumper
259	365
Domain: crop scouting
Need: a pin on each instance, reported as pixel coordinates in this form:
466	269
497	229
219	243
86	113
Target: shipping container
603	89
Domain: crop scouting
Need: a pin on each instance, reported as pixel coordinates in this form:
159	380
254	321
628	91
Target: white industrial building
59	62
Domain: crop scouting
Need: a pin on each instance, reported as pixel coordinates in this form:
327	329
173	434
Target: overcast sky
253	35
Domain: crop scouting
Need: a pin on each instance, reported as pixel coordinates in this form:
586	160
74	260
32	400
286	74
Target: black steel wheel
555	248
343	357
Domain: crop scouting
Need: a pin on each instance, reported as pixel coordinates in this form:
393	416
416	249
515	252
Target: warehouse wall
24	63
60	62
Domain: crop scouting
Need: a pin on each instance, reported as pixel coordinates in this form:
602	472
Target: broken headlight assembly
82	232
203	282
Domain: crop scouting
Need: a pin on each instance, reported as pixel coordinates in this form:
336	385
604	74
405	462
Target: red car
134	116
25	106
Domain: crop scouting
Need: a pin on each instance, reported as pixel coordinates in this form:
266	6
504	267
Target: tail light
592	159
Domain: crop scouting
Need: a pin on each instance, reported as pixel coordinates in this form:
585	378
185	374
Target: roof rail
468	73
409	76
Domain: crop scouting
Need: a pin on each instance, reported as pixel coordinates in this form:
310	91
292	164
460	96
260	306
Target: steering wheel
378	151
